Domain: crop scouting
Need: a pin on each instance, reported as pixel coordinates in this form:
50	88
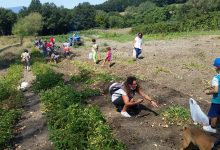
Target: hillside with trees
147	16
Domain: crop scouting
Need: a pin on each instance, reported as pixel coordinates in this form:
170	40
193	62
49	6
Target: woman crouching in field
123	97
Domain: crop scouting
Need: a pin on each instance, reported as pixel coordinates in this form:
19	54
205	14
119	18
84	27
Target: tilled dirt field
171	72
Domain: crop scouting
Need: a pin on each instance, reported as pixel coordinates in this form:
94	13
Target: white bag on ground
134	53
90	55
23	86
198	116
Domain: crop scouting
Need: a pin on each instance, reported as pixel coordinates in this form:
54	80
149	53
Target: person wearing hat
214	90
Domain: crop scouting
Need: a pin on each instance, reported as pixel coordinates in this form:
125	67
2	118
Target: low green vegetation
10	102
108	35
7	120
72	123
88	77
193	66
47	80
163	70
176	115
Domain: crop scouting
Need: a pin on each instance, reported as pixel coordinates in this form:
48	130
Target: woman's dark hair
93	40
108	48
140	34
129	81
25	50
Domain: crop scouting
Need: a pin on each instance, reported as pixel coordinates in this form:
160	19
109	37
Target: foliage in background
29	25
7	19
108	35
147	16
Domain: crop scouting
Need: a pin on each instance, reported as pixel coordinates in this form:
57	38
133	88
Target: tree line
147	16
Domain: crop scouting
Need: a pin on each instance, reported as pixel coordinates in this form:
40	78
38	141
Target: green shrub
62	96
9	82
4	90
81	128
176	115
88	76
162	27
7	119
47	80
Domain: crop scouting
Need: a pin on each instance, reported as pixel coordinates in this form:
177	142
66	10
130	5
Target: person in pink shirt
108	57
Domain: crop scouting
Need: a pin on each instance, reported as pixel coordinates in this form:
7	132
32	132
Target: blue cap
217	62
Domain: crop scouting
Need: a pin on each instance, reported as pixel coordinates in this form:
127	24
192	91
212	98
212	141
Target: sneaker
209	129
125	114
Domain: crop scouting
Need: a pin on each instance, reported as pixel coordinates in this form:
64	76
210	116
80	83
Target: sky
65	3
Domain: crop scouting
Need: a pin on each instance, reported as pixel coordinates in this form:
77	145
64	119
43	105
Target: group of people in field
137	49
123	94
93	54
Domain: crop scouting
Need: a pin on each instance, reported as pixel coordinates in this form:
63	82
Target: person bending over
124	97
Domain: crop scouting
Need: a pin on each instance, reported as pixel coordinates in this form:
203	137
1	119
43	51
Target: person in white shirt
25	58
137	46
123	98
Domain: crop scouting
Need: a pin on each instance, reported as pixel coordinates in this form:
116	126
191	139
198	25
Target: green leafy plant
7	119
85	125
47	80
176	115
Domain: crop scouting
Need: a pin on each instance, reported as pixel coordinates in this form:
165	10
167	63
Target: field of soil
170	71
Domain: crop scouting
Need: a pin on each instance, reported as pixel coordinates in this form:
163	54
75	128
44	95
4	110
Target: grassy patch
108	35
192	66
129	37
89	76
163	70
176	115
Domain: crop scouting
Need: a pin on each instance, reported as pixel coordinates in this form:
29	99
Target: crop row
72	123
10	103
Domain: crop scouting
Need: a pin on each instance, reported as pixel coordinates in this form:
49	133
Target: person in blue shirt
214	110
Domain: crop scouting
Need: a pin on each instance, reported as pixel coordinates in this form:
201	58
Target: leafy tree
29	25
116	21
7	19
83	17
167	2
23	12
56	19
101	19
118	5
35	6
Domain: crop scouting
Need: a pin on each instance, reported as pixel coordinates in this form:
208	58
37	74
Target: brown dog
198	137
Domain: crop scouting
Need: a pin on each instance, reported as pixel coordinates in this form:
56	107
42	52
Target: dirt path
32	129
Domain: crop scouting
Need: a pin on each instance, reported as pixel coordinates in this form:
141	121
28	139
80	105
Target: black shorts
118	102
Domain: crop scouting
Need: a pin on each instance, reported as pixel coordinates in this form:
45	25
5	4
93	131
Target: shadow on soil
141	130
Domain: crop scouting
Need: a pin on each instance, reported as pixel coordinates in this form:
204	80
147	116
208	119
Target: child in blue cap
214	110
